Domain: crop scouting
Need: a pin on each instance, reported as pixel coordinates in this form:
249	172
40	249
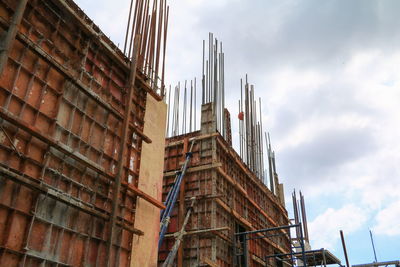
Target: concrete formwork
63	96
230	199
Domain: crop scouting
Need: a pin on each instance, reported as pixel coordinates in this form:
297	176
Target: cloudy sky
328	73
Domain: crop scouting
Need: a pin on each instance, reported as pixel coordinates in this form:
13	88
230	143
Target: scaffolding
298	255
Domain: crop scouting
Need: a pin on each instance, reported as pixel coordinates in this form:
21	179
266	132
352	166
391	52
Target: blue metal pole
174	195
175	187
176	182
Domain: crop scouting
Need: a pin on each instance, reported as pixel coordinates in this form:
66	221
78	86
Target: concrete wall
145	248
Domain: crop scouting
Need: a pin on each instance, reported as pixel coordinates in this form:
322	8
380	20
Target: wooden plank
196	169
197	138
209	262
147	218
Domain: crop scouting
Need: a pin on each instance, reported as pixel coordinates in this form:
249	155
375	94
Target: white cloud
324	229
388	220
110	16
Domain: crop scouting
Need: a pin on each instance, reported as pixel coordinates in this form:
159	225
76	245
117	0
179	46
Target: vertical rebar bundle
182	111
250	130
151	26
271	165
300	216
181	114
213	81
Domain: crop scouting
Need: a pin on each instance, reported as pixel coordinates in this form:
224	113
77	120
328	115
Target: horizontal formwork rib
196	169
32	255
195	138
62	197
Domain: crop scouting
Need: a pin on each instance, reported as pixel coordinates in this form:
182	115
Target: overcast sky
329	77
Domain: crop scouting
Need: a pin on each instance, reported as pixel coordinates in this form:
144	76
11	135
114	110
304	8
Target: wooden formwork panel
224	250
38	229
228	215
256	193
175	152
233	196
62	105
197	184
253	201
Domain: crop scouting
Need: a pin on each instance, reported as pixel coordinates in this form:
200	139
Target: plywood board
145	248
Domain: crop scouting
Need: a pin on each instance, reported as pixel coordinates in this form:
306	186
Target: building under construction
87	175
224	190
229	198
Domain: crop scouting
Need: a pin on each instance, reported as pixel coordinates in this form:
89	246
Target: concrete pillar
208	119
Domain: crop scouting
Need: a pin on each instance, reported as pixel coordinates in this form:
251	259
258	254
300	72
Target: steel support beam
344	249
268	229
